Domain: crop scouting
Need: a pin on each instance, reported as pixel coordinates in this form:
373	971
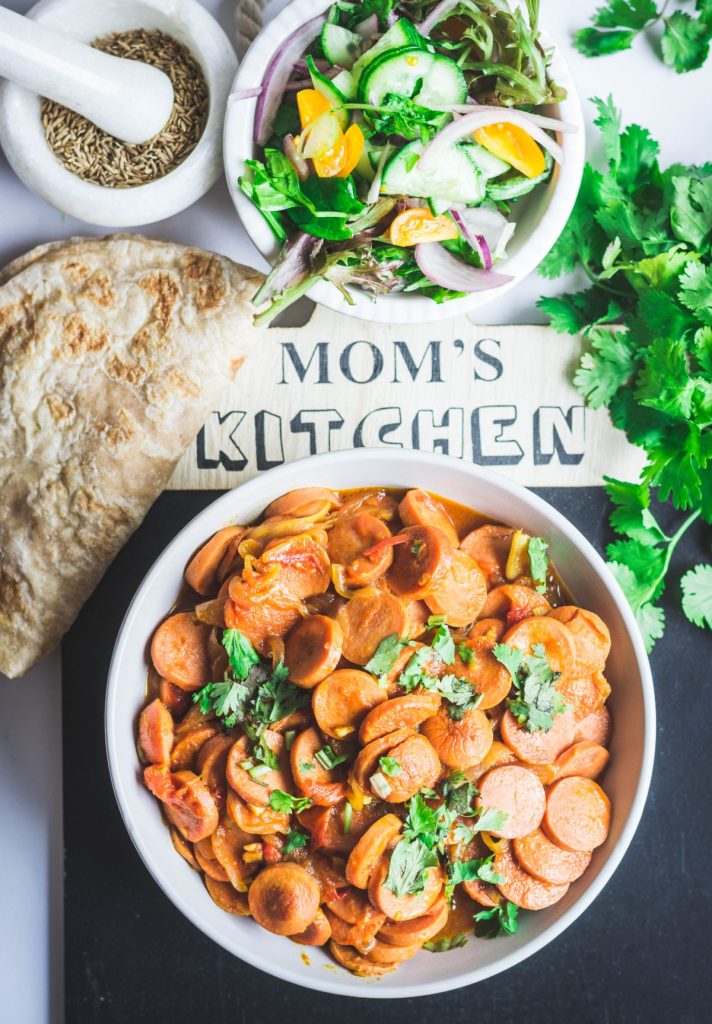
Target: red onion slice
295	158
277	76
368	27
483	221
437	14
244	94
478	242
479	118
444	269
543	121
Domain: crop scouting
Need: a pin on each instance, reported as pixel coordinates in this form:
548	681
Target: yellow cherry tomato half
331	163
311	104
419	225
354	141
515	146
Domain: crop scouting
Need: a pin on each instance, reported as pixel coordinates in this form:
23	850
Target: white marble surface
672	106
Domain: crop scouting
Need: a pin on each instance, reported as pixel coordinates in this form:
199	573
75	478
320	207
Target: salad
394	140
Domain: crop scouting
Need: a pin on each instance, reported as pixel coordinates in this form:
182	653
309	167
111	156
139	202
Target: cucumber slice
518	185
438	205
403	33
368	161
400	71
456	180
345	83
330	91
490	165
339	45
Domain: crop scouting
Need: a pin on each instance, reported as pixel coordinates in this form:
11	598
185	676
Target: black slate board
637	956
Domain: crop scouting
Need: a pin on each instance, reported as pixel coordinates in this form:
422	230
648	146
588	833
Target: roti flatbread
112	354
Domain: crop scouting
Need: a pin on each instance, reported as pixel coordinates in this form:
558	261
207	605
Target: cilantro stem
675	540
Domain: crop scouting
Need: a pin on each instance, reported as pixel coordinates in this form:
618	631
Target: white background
672	106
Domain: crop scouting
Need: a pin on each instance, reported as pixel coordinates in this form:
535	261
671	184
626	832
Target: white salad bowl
540	216
632	706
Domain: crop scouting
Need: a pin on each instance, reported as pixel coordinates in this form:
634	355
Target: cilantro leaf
468	870
445	945
591	42
500	920
409	861
696	290
697	595
632	516
227	699
295	840
240	652
607	367
538	562
385	655
626	14
285	803
465	654
537	701
685	42
460	695
490	819
691	211
277	698
390	766
442	642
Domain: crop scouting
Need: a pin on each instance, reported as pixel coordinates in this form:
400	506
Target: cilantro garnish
500	920
240	652
415	673
277	698
385	655
537	700
685	40
466	654
487	819
644	238
226	699
445	945
285	803
481	868
295	840
390	766
697	595
409	861
538	562
442	643
460	695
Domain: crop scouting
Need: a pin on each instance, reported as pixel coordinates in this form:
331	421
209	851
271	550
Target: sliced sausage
342	700
303	502
459	743
498	754
517	792
418	508
257	820
178	651
317	933
328	831
187	802
367	759
492	629
184	848
551	634
368	850
155	733
209	865
592	638
545	773
314	781
403	908
351	907
489	546
480	668
174	698
585	758
547	861
578	814
584	694
313	650
461	593
420	562
368	618
284	898
229	842
512	602
419	768
202	568
357	964
188	745
227	898
384	953
520	887
304	565
350	539
405	712
537	747
260	620
595	727
211	763
251	790
419	929
192	719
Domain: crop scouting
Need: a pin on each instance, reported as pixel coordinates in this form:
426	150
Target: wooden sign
497	396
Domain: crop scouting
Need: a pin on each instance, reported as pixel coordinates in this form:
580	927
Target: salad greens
644	238
685	41
356	176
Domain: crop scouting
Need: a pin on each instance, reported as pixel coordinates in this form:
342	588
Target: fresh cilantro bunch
537	701
644	238
685	41
500	920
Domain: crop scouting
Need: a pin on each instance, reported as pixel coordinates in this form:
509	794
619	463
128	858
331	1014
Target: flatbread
113	352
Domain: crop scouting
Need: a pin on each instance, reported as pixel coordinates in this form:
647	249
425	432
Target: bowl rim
380	459
411	308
